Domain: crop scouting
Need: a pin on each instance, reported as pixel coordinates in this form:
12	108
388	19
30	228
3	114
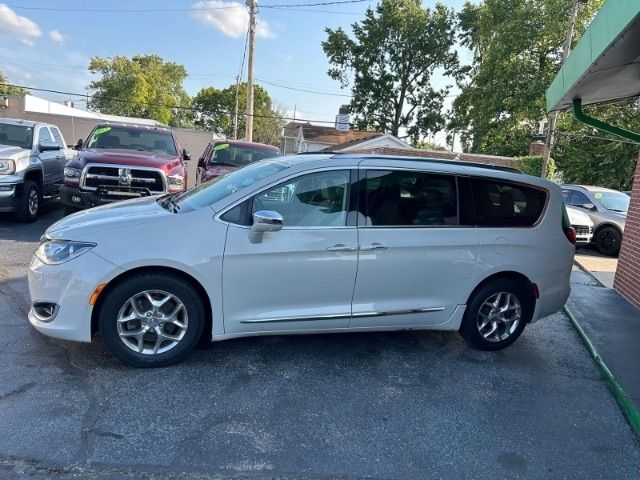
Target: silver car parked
607	209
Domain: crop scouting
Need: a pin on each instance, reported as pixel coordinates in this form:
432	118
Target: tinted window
314	200
227	154
123	138
578	198
505	204
407	198
16	135
44	135
58	137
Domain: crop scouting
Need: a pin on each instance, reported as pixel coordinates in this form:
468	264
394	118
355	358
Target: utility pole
553	116
235	110
253	6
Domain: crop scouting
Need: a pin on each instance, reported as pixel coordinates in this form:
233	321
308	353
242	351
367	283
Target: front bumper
10	199
80	199
68	286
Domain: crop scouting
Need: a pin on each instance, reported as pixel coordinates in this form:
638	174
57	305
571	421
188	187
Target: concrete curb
631	413
591	275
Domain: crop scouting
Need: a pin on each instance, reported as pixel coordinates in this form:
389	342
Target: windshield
239	156
123	138
16	135
220	187
615	201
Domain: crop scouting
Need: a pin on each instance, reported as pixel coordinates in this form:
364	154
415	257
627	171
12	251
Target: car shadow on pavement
12	229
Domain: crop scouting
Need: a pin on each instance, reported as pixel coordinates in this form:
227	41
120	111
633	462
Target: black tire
25	212
116	299
70	210
608	241
470	324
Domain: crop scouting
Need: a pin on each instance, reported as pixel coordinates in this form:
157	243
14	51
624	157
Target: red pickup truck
122	161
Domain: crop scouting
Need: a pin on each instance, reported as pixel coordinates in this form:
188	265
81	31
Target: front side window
313	200
409	199
500	203
58	137
44	135
578	198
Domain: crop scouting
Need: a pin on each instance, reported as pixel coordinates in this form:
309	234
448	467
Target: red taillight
571	234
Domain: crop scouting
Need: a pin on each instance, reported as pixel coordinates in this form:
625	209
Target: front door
300	278
415	257
52	164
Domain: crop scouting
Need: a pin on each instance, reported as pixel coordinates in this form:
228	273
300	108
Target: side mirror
79	144
48	146
264	221
185	154
588	206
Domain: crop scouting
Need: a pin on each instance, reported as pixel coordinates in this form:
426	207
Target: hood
10	151
86	224
132	158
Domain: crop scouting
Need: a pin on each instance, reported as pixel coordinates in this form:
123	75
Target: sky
48	44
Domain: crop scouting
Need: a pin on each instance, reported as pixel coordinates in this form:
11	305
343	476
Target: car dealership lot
381	405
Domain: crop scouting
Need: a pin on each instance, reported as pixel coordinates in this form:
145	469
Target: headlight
176	183
7	167
71	172
54	252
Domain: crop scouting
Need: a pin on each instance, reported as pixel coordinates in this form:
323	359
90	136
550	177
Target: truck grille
122	176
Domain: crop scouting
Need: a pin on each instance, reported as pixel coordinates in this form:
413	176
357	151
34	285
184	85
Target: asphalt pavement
377	405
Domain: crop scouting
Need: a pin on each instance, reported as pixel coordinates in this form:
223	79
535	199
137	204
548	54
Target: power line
191	9
155	104
303	90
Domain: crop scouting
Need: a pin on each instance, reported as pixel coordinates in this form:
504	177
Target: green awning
605	64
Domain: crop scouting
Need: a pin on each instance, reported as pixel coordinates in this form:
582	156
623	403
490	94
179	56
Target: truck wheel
29	206
151	320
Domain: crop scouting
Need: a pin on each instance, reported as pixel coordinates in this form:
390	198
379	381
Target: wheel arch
208	326
603	226
513	276
35	175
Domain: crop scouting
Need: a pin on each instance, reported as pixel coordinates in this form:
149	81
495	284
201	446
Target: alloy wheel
34	202
152	322
499	316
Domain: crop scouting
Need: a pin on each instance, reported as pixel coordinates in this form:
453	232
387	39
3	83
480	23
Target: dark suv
122	161
224	156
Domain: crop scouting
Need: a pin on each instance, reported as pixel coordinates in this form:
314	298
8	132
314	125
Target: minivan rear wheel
497	314
151	320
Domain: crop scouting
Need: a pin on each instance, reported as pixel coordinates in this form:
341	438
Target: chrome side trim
399	312
339	316
335	316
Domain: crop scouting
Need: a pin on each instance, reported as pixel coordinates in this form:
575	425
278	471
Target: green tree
6	90
516	47
214	111
532	165
143	86
587	156
390	62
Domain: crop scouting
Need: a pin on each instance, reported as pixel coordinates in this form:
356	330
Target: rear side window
58	137
505	204
410	199
44	135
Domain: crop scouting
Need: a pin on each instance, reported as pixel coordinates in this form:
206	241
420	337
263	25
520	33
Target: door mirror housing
588	206
48	146
264	221
185	154
79	144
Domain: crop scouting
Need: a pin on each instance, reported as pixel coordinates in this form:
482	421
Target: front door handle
374	246
342	248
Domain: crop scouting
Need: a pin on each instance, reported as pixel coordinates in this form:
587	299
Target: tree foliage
516	47
390	61
214	109
143	86
532	165
6	90
588	156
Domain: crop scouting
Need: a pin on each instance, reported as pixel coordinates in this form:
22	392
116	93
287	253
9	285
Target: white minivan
309	244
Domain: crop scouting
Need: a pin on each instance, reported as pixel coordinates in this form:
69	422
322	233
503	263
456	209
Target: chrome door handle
342	248
374	246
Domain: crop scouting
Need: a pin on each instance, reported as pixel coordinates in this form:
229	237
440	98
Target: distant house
300	137
371	143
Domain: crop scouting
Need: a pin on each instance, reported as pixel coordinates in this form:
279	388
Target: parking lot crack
17	391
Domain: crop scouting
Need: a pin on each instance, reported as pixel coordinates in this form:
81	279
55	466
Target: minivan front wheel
497	314
151	320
